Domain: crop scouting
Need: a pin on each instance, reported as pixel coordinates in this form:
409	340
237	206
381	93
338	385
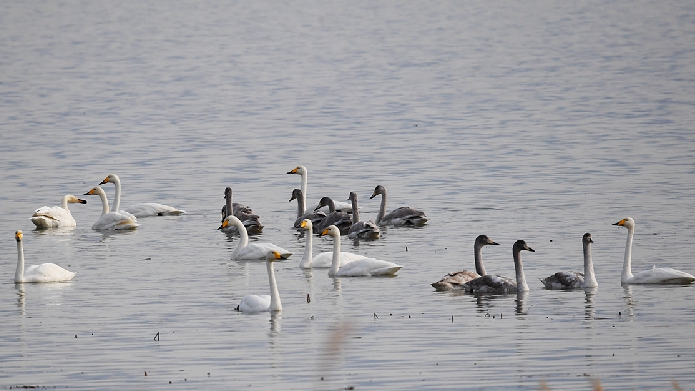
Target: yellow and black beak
294	171
325	232
303	225
81	201
225	224
90	192
18	235
621	222
105	181
280	256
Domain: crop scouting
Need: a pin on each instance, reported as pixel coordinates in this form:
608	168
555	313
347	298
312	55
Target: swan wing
364	230
153	209
52	217
490	284
404	216
255	303
325	260
315	217
117	221
564	280
365	267
340	219
259	251
454	281
662	275
47	272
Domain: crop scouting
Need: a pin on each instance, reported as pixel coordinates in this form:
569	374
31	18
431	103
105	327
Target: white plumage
56	216
111	220
322	260
143	209
250	251
363	267
261	303
45	272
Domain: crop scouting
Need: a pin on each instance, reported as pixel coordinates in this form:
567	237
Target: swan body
250	251
363	267
455	280
400	216
302	214
335	217
302	171
361	229
574	280
498	284
45	272
119	220
262	303
143	209
56	216
251	221
322	260
655	275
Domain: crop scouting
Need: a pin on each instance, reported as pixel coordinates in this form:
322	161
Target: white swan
246	250
322	260
455	280
497	284
45	272
655	275
56	216
111	220
573	280
250	220
142	209
302	214
256	303
301	170
363	267
361	229
401	216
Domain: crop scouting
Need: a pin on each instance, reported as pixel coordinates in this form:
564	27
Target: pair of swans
143	209
56	216
361	267
111	220
322	260
262	303
246	250
574	280
251	221
45	272
302	171
498	284
334	217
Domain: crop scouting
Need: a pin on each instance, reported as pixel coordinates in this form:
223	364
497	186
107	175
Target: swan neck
521	285
301	206
117	197
589	276
64	203
627	262
243	235
104	203
335	265
229	209
479	268
275	304
307	258
304	183
355	212
19	273
382	208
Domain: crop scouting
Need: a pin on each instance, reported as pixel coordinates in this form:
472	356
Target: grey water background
537	121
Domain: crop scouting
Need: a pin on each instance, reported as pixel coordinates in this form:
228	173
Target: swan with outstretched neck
302	214
361	229
262	303
56	216
574	280
498	284
400	216
302	171
143	209
364	267
655	275
456	280
116	220
250	220
322	260
45	272
250	251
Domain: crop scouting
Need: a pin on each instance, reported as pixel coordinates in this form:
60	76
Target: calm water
521	121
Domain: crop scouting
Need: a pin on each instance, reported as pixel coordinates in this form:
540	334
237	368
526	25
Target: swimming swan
142	209
111	220
455	280
363	267
250	220
45	272
361	229
322	260
335	217
246	250
401	216
256	303
498	284
302	214
56	216
655	275
573	280
301	170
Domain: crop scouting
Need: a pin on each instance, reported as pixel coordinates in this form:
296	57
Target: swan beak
104	181
621	222
281	256
225	223
373	195
303	225
531	250
591	240
90	192
18	235
81	201
294	171
325	232
495	243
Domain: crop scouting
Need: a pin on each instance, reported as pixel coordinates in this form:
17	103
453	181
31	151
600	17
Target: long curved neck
589	277
335	265
304	181
64	203
521	285
355	211
104	203
627	263
19	274
229	209
275	304
307	258
382	208
479	268
117	198
301	206
243	235
331	206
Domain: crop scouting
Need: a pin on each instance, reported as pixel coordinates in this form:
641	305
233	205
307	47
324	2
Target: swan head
521	245
307	225
301	170
353	196
111	178
484	240
227	192
587	238
18	235
627	222
325	201
96	190
296	194
331	230
230	220
378	190
273	256
74	200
